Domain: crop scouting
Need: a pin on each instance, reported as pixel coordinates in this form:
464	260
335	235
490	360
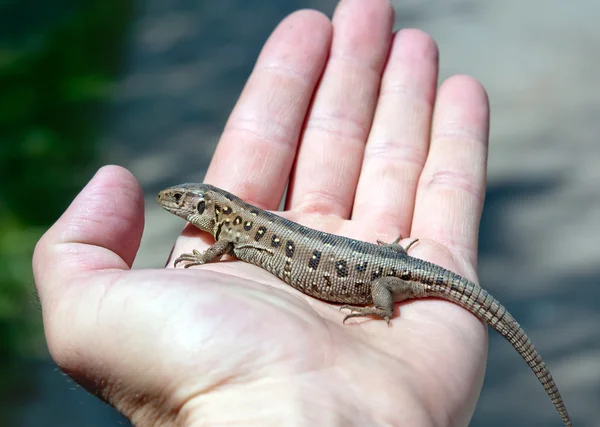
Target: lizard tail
478	301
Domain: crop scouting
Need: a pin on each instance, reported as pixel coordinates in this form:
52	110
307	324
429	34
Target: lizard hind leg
384	292
383	301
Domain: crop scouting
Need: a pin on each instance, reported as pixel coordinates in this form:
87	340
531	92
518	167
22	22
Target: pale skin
346	110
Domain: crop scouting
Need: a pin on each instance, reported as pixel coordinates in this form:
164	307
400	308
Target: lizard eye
201	206
177	196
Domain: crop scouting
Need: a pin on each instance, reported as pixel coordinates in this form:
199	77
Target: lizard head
192	202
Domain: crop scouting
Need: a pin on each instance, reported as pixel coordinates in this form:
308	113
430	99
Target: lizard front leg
213	253
384	292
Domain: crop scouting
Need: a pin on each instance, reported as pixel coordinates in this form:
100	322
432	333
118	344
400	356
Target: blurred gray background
186	62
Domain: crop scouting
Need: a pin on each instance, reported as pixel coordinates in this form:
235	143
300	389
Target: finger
330	153
397	146
100	230
451	188
256	152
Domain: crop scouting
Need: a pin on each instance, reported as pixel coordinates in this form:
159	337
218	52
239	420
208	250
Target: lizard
367	277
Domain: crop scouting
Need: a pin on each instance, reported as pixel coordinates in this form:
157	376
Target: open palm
345	112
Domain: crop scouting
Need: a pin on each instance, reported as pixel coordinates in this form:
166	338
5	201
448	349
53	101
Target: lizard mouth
166	201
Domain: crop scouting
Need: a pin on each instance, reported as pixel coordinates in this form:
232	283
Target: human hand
348	116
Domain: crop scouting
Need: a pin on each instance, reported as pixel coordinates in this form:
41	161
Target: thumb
101	229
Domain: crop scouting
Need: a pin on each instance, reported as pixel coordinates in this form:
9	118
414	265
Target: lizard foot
396	246
366	311
195	258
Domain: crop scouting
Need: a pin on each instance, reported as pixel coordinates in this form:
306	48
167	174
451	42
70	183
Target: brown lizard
369	277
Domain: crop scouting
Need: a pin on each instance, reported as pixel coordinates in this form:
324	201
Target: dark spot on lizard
356	246
260	233
226	210
427	280
289	249
237	220
294	226
275	241
289	224
254	212
287	268
377	273
360	288
228	196
314	259
217	209
394	272
201	206
248	225
303	230
328	239
468	291
361	266
405	274
440	281
268	215
341	268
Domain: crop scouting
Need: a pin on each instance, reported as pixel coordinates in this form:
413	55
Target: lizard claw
366	312
352	312
195	258
395	242
350	307
411	244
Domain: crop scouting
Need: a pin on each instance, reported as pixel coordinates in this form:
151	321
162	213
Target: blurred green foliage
58	61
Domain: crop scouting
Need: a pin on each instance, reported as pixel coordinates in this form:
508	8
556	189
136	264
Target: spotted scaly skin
367	277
